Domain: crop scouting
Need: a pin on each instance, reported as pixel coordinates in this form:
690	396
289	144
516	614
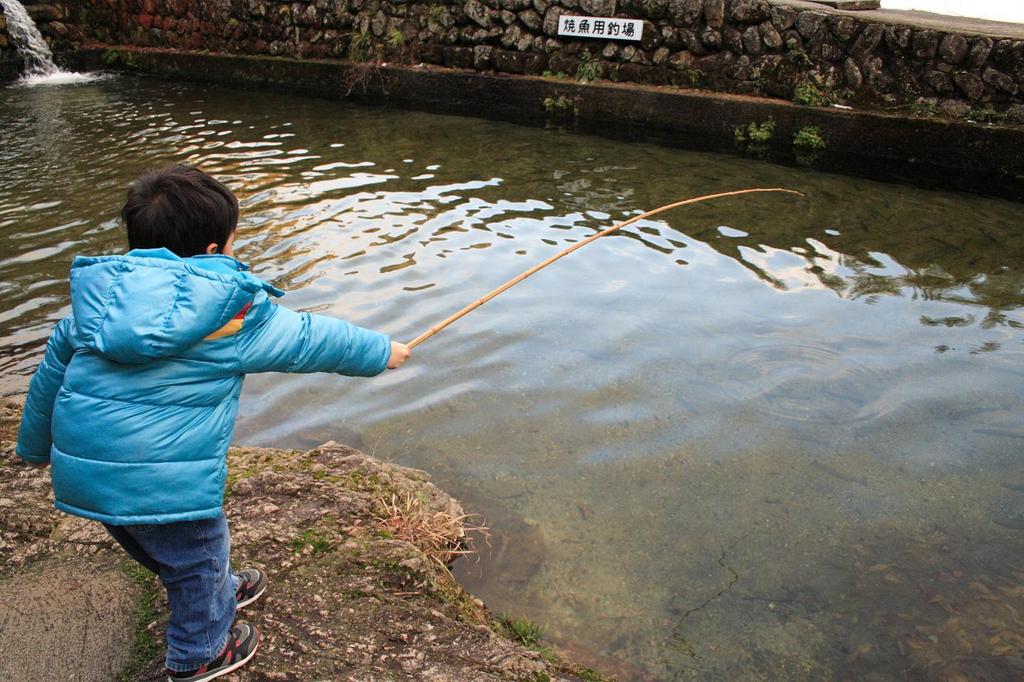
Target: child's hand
399	354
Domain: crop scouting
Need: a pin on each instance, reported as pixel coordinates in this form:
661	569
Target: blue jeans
192	560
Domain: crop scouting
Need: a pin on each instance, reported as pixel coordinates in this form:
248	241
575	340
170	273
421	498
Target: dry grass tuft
439	534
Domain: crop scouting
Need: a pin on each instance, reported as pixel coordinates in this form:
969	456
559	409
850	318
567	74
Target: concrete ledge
913	19
850	4
952	154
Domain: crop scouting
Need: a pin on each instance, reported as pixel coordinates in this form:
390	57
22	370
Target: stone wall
6	49
50	18
753	47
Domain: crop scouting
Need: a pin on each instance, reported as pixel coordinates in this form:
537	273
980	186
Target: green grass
359	48
924	110
113	58
986	115
809	95
561	107
527	632
313	538
590	69
755	133
144	648
693	76
523	629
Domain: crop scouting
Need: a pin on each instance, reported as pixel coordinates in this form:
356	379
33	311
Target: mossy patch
809	138
561	108
144	647
754	133
808	145
469	609
590	68
312	540
118	58
809	95
986	114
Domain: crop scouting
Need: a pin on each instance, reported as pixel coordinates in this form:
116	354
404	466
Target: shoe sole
231	668
243	604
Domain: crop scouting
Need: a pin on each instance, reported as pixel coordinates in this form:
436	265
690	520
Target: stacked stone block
6	49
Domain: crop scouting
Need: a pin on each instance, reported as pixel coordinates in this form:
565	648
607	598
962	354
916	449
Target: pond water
760	438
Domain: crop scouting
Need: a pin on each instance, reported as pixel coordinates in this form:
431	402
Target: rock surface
82	607
348	598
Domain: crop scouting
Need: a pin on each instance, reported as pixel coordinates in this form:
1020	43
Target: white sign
600	27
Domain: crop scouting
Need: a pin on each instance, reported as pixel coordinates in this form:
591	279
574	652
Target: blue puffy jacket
134	403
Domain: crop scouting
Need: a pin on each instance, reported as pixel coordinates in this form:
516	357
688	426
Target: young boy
135	400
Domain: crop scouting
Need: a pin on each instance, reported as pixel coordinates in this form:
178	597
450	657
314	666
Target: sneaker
252	582
240	647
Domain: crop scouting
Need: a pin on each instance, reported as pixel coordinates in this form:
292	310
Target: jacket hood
151	303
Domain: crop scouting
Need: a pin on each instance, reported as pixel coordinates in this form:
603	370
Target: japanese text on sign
600	27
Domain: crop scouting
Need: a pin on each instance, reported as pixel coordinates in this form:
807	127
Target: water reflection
756	438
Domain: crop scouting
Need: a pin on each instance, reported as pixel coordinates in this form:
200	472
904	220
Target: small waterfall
28	41
39	66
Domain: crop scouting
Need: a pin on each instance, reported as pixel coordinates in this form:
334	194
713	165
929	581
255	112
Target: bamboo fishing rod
516	280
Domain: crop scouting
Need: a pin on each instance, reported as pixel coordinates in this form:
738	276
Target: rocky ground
355	549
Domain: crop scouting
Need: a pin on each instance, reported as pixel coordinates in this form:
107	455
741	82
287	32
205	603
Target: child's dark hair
180	208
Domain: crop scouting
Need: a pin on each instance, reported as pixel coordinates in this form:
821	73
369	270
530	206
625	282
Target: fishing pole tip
763	189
